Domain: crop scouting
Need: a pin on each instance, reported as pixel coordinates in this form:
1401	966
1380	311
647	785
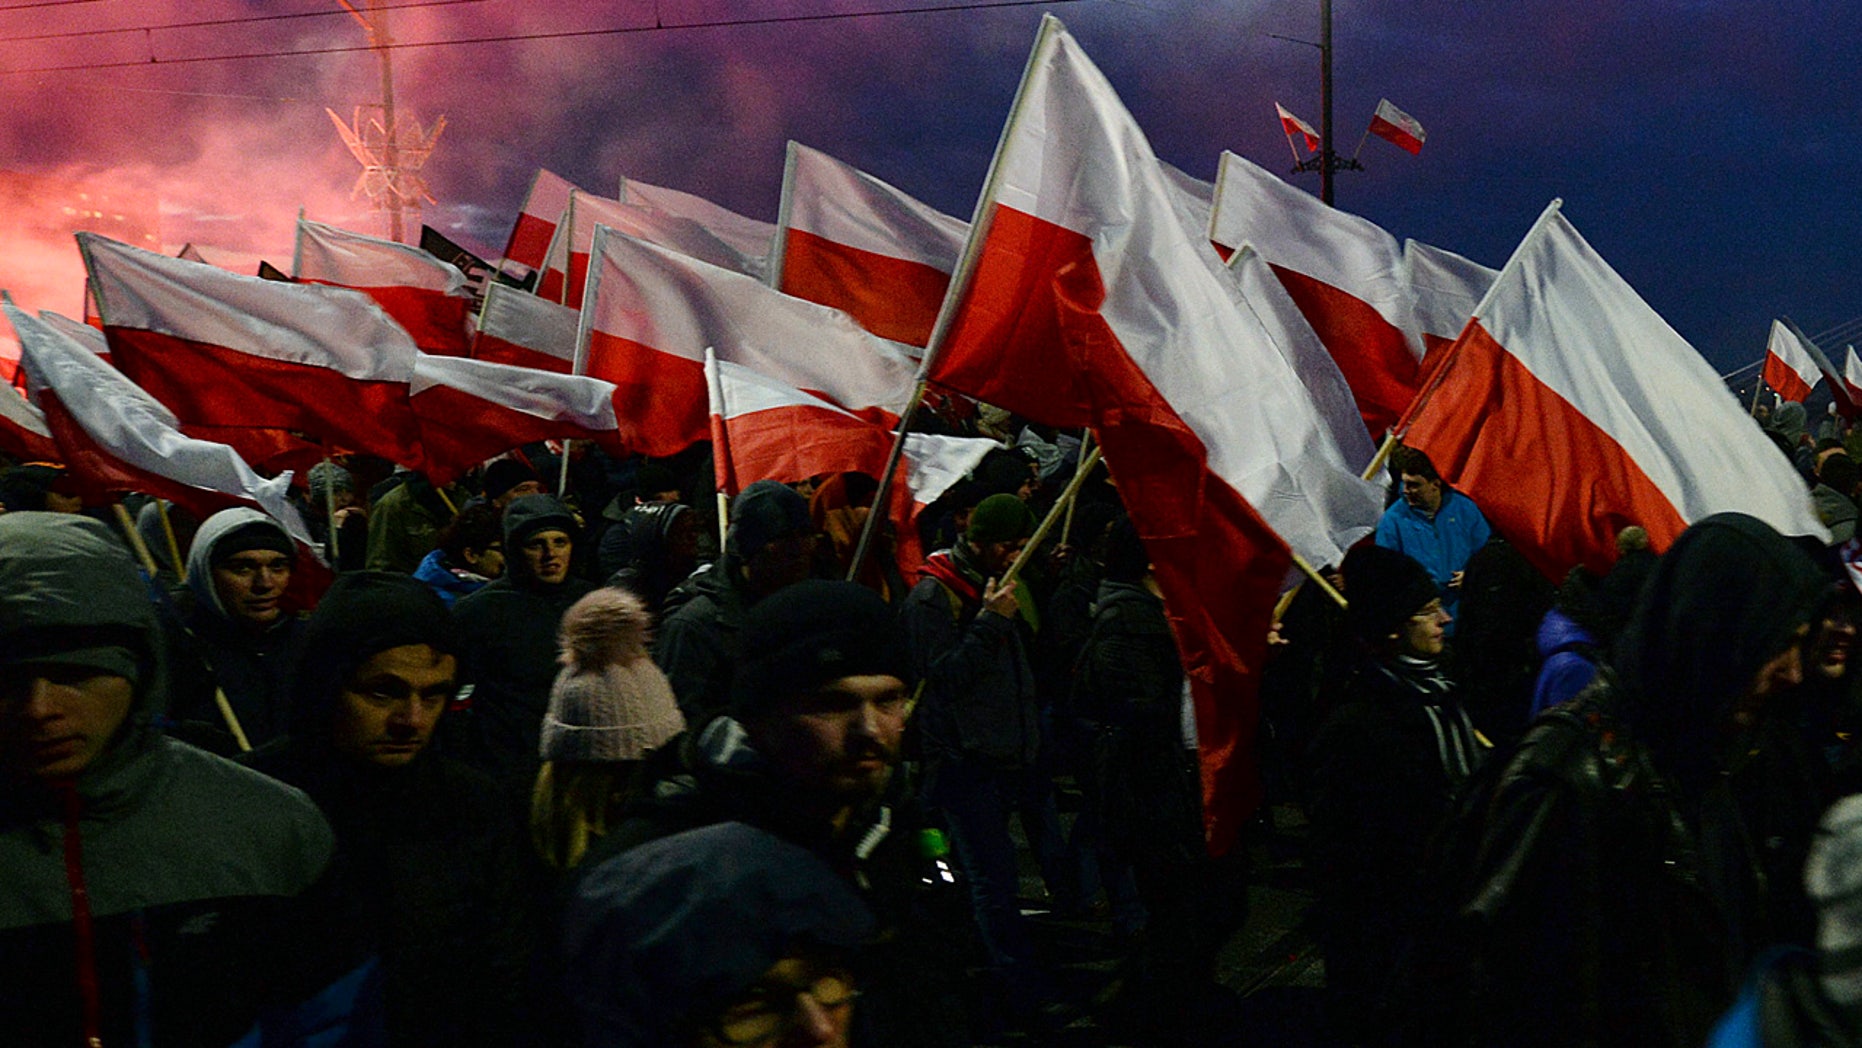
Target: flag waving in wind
1293	125
751	238
568	255
1624	422
1397	127
526	330
1082	299
536	221
225	350
1794	365
424	295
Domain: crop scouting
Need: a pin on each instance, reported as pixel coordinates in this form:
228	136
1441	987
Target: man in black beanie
1387	763
430	860
508	480
809	751
508	633
770	545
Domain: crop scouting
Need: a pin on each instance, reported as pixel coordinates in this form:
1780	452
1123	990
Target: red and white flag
225	350
1345	272
1083	300
115	439
23	433
1626	422
1397	127
424	295
1446	287
766	429
1293	125
90	336
473	410
1852	374
752	238
536	220
575	236
853	242
1793	364
653	311
519	328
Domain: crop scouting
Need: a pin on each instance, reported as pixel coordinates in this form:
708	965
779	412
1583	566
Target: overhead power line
502	38
215	22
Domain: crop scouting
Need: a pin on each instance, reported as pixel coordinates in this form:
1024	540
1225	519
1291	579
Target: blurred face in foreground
387	710
795	1004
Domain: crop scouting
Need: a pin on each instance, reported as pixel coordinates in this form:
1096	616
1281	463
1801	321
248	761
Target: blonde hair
571	804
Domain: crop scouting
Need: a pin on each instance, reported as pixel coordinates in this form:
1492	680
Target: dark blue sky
1706	148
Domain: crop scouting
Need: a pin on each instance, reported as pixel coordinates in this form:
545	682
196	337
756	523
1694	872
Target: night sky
1707	149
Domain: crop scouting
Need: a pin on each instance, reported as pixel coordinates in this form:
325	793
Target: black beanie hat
259	534
808	634
763	513
505	474
1382	589
363	614
999	518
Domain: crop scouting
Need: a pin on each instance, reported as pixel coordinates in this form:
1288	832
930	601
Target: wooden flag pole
136	544
232	721
329	516
1060	507
1066	528
174	547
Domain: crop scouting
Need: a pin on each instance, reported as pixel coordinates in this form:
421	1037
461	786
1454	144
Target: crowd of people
558	758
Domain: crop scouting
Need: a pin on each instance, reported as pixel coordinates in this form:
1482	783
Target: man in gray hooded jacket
150	893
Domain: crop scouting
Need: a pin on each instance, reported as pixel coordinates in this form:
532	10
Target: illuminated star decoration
387	184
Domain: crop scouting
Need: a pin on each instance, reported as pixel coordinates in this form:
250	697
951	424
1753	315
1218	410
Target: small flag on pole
1294	125
1397	127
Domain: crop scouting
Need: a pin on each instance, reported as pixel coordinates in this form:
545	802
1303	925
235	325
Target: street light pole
1327	158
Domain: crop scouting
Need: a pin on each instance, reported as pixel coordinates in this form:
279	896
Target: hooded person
769	545
723	934
651	549
430	861
509	630
153	893
1629	868
610	707
233	633
1387	763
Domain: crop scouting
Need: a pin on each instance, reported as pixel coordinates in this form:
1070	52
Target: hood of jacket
1559	632
200	555
66	582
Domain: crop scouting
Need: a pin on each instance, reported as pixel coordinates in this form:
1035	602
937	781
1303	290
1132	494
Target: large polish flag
1852	374
1083	300
766	429
225	350
1793	363
424	295
544	204
752	238
115	439
1345	272
1568	410
848	240
1446	287
652	312
472	410
565	269
23	432
519	328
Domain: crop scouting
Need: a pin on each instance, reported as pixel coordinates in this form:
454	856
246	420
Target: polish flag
1346	273
1293	125
1262	295
23	433
653	311
221	349
1793	364
575	235
766	429
1446	287
472	410
752	238
1082	300
1852	375
536	221
90	336
519	328
1569	410
851	241
1397	127
115	439
424	295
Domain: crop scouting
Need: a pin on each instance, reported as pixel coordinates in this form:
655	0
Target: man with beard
809	751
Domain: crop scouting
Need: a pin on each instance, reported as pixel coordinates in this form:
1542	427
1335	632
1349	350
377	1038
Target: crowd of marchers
591	767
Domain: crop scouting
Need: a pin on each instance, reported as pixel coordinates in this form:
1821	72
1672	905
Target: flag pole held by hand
1053	515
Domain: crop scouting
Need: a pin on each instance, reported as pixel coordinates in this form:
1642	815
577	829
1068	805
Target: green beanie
1000	518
